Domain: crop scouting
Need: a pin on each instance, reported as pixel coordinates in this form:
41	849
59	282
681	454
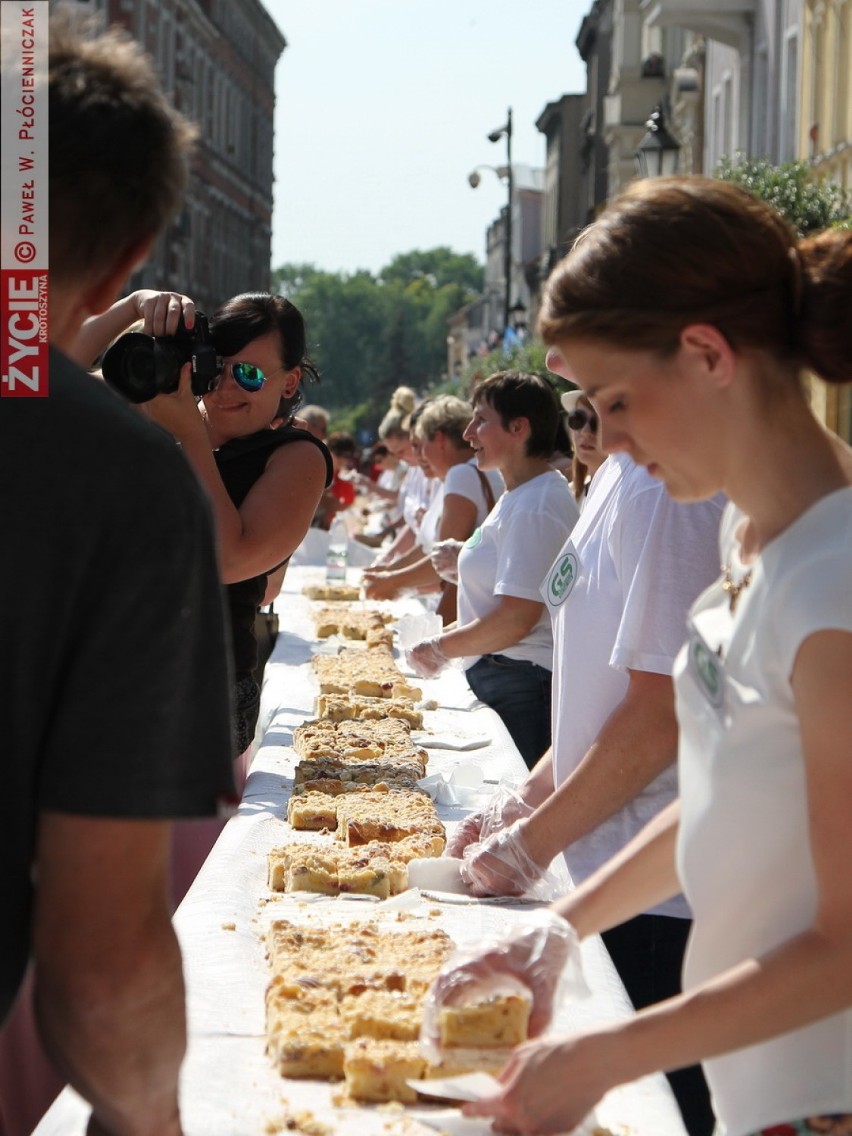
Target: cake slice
388	816
303	1031
498	1022
331	592
379	1070
316	774
371	870
341	708
382	1014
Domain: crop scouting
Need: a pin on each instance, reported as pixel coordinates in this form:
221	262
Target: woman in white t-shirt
689	313
464	499
503	629
588	457
416	488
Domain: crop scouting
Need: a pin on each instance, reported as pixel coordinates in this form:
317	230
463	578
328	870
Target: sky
383	108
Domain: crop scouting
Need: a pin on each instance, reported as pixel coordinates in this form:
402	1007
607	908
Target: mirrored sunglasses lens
247	376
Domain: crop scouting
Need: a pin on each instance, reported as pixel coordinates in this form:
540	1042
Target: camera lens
128	367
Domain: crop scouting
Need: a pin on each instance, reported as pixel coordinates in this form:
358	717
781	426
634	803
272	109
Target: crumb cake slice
347	1000
321	778
330	592
379	1070
391	1014
342	708
471	1059
327	873
372	869
370	673
499	1022
388	816
348	623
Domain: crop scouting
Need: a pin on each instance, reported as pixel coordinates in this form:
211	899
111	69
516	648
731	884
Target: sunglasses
247	376
578	419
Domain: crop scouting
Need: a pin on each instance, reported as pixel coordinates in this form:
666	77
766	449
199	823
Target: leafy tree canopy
370	334
808	204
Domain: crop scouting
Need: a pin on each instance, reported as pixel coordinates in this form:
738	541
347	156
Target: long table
228	1086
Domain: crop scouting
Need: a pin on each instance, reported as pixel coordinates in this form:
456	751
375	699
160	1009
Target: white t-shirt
416	492
619	594
744	846
509	554
462	479
392	479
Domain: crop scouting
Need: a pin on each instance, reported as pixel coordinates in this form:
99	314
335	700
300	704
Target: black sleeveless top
241	463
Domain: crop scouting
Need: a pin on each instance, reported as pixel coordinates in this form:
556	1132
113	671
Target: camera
142	366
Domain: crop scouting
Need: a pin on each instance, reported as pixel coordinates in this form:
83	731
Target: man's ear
705	347
102	290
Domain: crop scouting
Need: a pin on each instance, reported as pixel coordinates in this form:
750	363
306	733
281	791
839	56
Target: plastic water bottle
338	550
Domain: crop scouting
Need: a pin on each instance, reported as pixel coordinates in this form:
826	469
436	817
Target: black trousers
648	954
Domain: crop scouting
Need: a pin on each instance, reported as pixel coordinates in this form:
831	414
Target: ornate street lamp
657	153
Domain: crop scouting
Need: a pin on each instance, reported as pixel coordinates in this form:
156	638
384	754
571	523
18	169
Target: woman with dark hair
503	629
262	475
689	313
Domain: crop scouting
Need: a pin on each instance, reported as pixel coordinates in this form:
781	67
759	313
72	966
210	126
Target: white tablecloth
228	1087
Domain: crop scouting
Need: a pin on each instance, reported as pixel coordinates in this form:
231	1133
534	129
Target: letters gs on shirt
562	578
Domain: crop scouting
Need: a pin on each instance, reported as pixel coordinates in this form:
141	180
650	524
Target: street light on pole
503	172
495	136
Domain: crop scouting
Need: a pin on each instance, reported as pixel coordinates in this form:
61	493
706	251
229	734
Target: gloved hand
379	585
427	659
541	951
445	557
505	806
502	865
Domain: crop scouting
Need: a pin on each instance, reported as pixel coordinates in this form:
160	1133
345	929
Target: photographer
263	478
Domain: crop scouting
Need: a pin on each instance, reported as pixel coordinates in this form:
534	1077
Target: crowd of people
686	729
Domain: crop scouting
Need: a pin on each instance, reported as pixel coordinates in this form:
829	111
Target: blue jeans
519	691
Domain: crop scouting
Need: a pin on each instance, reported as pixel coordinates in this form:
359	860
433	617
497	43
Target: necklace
731	589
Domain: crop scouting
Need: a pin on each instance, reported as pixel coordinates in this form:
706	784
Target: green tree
441	265
808	204
369	334
529	356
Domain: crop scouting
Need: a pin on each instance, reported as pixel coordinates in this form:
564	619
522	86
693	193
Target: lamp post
656	155
503	172
495	136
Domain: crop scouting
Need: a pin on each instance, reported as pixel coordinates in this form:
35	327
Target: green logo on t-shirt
707	670
563	576
474	539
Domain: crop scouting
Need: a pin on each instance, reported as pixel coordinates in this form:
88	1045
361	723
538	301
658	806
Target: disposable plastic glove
541	951
445	559
427	659
502	865
504	808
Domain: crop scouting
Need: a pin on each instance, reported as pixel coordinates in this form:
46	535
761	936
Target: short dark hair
252	314
519	394
341	444
118	152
